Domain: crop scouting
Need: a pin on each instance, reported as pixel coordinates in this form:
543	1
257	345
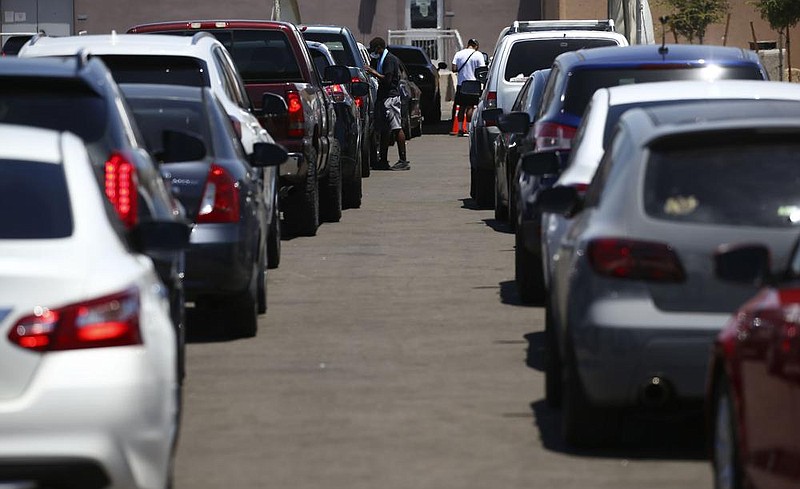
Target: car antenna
663	50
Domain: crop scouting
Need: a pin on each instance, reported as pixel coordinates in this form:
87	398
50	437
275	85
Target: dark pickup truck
274	60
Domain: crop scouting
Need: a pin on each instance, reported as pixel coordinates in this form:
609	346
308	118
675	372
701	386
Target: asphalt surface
395	354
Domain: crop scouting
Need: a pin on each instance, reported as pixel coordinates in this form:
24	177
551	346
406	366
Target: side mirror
273	105
491	115
160	236
482	73
540	164
359	89
471	87
559	200
515	122
744	264
180	146
442	65
337	74
267	154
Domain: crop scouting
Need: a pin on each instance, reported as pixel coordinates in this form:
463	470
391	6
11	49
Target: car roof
62	67
652	53
681	90
155	44
331	29
31	144
201	24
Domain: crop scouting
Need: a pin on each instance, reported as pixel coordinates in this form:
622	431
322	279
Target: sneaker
382	165
401	165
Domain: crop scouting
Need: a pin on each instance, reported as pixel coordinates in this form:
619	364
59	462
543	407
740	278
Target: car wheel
512	204
725	456
274	236
352	188
245	308
302	212
484	188
416	131
552	361
500	209
527	272
261	285
331	186
584	424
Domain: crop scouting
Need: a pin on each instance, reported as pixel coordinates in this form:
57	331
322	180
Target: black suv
425	74
78	94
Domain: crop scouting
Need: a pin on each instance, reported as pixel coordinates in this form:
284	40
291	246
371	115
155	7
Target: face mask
374	55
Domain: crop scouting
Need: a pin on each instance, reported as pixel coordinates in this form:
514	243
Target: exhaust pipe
655	393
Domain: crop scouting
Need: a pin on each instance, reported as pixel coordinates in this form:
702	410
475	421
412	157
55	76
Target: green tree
781	14
691	18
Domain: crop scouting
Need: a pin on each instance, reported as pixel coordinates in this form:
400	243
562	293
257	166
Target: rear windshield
34	201
14	43
165	70
583	83
410	56
320	61
526	57
154	116
746	184
337	44
260	55
63	105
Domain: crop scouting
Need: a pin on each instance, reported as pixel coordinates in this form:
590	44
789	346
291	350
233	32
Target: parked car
426	75
13	42
753	390
516	57
90	394
574	79
347	130
50	93
196	61
411	112
634	305
604	25
345	50
274	61
220	189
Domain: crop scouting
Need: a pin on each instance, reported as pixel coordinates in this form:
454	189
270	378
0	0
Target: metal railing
440	44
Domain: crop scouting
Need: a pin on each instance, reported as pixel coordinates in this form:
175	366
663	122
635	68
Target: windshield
166	70
34	201
337	45
526	57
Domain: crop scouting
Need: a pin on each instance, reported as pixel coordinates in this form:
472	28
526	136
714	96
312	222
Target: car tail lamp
491	100
111	320
296	128
337	93
220	202
359	100
551	136
635	260
121	188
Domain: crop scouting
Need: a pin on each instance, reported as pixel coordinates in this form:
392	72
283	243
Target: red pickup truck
273	59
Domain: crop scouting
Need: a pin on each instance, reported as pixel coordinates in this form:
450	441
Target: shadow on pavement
207	326
510	295
441	127
500	227
534	357
469	203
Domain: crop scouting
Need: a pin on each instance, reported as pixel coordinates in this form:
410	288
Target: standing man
387	107
464	64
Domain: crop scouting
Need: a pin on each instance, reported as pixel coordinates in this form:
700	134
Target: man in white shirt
464	64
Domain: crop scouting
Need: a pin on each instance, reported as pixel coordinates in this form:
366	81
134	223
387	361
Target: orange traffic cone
464	124
454	130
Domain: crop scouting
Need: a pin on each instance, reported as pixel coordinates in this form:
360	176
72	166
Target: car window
262	55
320	61
169	70
598	183
410	56
725	184
553	81
34	201
584	82
521	102
528	56
155	115
237	84
337	45
41	102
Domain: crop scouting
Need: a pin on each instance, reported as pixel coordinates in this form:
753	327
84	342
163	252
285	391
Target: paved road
395	355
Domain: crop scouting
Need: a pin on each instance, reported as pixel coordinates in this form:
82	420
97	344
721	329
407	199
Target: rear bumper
218	261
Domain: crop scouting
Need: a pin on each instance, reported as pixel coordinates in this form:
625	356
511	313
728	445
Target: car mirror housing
273	105
337	74
482	73
540	164
442	65
563	200
515	122
149	236
359	89
268	154
491	115
744	264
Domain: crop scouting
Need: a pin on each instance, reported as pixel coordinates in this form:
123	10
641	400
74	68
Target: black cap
472	42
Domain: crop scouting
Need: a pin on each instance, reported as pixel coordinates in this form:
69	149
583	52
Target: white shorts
390	115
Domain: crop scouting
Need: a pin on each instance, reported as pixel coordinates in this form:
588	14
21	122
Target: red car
754	383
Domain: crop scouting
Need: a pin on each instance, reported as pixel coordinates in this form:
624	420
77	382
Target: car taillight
635	260
220	202
237	127
581	188
337	93
491	100
121	188
112	320
296	128
551	136
359	100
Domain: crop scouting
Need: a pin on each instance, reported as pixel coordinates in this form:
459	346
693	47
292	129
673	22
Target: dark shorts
465	100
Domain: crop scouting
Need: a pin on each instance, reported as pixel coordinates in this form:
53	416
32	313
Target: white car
89	391
605	109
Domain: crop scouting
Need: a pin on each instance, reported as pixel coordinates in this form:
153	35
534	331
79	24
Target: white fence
440	44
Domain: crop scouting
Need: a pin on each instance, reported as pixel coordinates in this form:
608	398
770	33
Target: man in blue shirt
388	105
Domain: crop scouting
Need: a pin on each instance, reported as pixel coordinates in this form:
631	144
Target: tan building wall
473	18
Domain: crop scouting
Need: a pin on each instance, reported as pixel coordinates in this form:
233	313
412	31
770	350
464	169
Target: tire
366	161
331	187
261	285
512	203
552	361
244	308
500	209
528	272
725	449
417	130
352	188
484	188
584	424
302	210
274	237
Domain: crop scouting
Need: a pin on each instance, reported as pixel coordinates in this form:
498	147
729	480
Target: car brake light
337	93
358	100
635	260
581	188
220	202
491	100
551	136
237	127
121	188
112	320
296	128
